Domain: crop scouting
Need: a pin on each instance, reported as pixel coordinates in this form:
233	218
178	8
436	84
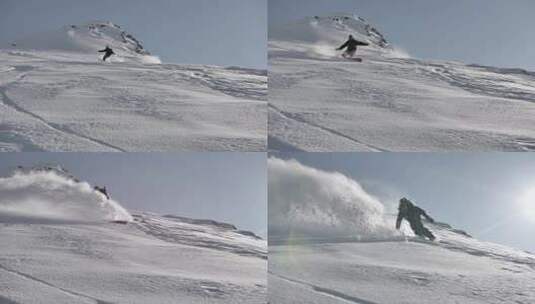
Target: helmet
404	203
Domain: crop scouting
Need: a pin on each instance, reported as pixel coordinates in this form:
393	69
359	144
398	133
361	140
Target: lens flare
527	204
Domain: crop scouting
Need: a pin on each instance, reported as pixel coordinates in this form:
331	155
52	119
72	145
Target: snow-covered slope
332	242
57	95
389	102
455	269
62	258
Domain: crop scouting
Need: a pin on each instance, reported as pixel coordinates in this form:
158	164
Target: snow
46	195
342	247
89	38
393	271
57	95
389	102
151	259
308	203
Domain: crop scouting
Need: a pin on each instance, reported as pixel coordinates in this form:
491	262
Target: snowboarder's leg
428	234
106	57
350	53
418	228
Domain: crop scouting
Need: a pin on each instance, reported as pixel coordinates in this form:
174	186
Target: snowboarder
107	53
407	210
351	47
103	191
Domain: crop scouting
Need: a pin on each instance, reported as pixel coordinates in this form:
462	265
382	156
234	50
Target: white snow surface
454	269
332	242
389	102
59	257
57	95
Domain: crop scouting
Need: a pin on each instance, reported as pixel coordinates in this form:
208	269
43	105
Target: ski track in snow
391	113
66	102
63	290
297	118
62	129
321	102
326	291
108	263
454	269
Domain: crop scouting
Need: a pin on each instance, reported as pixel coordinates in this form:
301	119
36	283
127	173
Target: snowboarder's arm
398	221
343	45
430	219
363	43
427	217
102	51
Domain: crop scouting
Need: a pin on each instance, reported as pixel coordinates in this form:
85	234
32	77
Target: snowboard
356	59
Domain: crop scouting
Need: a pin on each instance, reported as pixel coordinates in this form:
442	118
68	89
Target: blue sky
229	187
220	32
490	32
483	193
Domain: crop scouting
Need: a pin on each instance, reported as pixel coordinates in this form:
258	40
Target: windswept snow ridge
320	101
202	233
48	196
306	204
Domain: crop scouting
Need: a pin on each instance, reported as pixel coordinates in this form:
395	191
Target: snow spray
47	195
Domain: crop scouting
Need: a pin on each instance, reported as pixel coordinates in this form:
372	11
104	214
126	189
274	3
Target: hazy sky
491	32
480	193
220	32
229	187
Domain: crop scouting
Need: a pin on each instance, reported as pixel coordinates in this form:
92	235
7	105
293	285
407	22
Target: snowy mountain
320	101
56	94
331	28
89	38
63	242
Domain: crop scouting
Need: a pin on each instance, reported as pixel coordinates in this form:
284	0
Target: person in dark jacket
413	214
351	47
107	53
103	191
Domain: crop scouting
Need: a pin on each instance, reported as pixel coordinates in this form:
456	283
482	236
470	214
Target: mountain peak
330	28
351	24
88	37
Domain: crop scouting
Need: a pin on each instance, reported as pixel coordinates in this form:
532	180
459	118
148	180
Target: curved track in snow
388	103
61	101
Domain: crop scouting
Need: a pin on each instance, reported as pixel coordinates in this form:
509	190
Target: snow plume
398	52
310	203
151	59
48	196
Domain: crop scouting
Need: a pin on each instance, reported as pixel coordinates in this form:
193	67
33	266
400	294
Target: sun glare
527	203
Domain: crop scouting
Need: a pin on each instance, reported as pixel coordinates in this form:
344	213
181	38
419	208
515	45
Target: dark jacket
352	44
103	191
107	50
412	214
